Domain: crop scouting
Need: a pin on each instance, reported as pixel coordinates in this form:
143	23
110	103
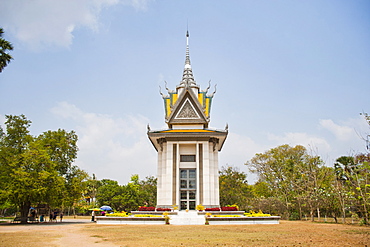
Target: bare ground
287	233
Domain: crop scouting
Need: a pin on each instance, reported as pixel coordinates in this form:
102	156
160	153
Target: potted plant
200	207
206	217
166	218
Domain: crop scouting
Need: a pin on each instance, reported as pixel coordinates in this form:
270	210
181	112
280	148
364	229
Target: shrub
123	214
146	208
229	209
163	209
226	216
254	214
294	216
148	215
212	209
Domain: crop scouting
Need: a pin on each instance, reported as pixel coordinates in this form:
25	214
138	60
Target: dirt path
72	235
55	234
81	234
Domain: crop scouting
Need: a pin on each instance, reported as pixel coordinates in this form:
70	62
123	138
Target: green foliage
38	169
5	57
234	188
291	175
293	184
127	197
353	176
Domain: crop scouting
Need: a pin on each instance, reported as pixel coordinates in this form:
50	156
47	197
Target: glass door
188	189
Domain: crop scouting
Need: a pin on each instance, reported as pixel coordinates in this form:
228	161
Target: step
187	218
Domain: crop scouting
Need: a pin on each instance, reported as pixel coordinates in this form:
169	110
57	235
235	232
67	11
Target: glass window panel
192	205
187	158
192	174
183	205
192	184
183	174
191	195
184	195
183	184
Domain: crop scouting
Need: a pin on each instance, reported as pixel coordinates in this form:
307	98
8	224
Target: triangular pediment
187	110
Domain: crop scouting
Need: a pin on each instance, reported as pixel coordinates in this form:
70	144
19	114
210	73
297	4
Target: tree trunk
318	214
300	210
312	215
24	208
344	215
335	218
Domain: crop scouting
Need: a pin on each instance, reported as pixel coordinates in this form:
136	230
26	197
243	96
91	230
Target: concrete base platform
188	218
130	220
243	220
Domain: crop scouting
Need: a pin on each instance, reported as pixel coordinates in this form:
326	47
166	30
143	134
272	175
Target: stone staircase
187	218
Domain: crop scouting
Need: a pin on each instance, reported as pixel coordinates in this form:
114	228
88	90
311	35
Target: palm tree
4	56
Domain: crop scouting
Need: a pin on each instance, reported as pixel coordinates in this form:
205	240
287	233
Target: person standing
55	215
61	216
93	216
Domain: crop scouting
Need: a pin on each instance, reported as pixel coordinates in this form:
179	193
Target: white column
161	175
178	174
206	176
216	181
164	189
197	173
211	173
168	174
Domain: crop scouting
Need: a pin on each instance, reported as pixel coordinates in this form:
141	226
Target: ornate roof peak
187	76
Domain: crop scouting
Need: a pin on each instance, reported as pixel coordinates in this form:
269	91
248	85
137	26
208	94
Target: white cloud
111	147
342	133
40	23
237	150
116	148
304	139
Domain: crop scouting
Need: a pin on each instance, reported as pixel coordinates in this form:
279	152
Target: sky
287	72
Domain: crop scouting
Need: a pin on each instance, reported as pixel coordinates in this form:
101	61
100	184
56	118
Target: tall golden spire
187	76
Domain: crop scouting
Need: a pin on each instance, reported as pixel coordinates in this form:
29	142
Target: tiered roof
187	112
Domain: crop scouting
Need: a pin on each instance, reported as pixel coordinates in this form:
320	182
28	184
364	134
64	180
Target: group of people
53	216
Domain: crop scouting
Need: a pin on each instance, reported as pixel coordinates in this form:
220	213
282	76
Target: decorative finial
160	91
212	94
187	77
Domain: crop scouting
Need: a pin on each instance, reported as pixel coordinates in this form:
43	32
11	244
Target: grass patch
27	238
287	234
97	236
358	231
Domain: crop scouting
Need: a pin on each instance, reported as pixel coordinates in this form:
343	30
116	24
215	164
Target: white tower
187	150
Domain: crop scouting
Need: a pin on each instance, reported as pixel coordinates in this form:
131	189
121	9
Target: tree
4	47
109	191
39	169
291	174
234	188
92	185
353	175
148	191
127	197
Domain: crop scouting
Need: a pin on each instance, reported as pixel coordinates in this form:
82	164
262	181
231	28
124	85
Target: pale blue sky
287	72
